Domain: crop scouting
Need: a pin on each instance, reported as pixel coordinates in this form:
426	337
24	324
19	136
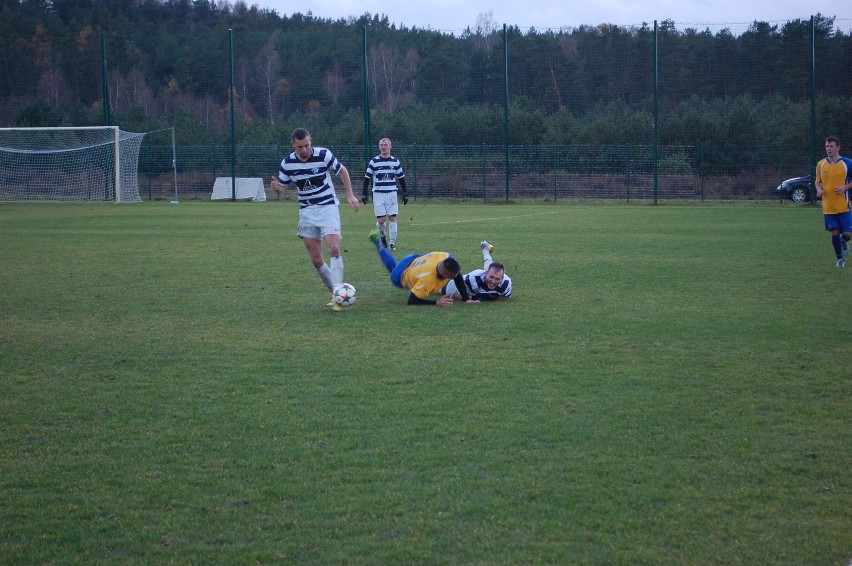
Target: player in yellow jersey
423	274
833	180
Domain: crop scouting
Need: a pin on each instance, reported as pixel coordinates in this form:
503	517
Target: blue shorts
401	266
842	221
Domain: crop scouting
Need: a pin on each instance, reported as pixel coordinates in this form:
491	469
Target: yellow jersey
833	175
421	276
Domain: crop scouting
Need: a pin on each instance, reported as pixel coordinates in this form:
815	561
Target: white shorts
315	222
385	204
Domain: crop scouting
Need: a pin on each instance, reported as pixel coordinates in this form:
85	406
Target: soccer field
670	384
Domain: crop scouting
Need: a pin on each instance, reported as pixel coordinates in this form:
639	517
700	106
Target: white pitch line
484	219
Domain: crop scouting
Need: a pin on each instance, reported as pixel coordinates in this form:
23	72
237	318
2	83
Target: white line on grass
483	219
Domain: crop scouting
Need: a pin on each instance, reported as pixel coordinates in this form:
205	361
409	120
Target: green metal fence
542	173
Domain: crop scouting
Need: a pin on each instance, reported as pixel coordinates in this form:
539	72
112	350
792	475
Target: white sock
336	271
487	256
381	227
393	232
325	274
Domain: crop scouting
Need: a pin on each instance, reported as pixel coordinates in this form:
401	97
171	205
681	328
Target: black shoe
384	242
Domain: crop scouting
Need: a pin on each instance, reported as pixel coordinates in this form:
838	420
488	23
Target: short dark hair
496	265
300	134
452	266
834	139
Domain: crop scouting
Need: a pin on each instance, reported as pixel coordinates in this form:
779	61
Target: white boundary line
485	219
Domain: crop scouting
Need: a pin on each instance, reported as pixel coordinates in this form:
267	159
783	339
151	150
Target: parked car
798	189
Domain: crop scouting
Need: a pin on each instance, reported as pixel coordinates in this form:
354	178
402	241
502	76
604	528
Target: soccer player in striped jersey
309	168
385	172
833	181
488	284
423	274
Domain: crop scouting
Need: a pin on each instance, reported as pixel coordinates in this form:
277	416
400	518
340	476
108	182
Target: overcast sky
456	15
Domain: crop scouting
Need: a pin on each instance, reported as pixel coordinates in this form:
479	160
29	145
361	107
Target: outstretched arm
444	301
415	300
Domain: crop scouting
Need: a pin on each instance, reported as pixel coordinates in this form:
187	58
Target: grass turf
670	384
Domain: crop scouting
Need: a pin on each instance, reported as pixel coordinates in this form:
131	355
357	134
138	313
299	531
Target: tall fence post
414	161
214	164
367	127
629	155
813	102
656	128
233	127
105	78
554	160
506	105
484	163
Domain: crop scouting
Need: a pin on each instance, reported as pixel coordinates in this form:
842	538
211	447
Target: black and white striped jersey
312	177
475	283
384	171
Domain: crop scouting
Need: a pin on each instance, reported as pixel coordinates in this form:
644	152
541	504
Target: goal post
93	163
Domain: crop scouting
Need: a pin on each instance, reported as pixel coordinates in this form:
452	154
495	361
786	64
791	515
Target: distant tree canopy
168	63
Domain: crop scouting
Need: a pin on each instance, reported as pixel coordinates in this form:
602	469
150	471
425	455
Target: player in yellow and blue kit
423	274
833	180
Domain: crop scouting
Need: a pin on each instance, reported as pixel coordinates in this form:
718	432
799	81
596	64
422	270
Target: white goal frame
95	179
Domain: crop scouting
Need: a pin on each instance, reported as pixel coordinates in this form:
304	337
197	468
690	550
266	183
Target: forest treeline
168	63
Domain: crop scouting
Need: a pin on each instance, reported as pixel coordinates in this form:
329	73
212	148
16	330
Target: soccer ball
344	295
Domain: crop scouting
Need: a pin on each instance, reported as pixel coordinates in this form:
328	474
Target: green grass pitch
670	385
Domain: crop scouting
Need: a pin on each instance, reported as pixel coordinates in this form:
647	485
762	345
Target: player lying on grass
488	284
423	274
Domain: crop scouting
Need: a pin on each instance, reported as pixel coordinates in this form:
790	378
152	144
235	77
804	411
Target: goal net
98	163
